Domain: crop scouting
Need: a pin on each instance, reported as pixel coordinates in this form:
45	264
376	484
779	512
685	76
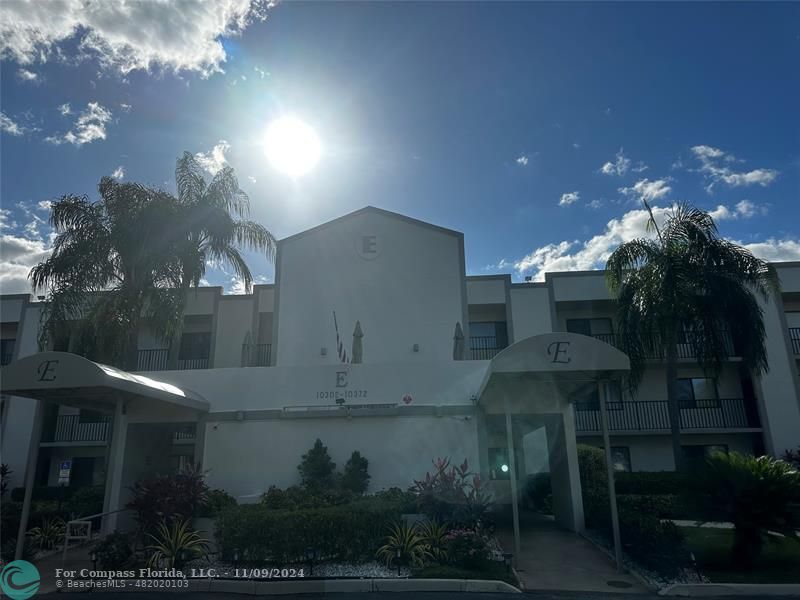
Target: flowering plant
452	493
467	548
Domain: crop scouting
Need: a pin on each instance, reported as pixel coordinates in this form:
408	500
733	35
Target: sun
292	146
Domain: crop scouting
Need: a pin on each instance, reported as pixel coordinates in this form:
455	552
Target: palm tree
214	227
114	263
688	281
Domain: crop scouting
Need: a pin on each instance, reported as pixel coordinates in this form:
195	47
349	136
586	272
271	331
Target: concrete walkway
553	558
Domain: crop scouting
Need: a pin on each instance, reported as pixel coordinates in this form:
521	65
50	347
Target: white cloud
522	160
251	178
213	160
64	109
5	219
44	205
8	125
26	75
713	166
119	172
592	254
261	72
17	256
644	189
127	35
574	255
619	166
743	209
569	198
595	204
90	126
576	145
775	250
125	107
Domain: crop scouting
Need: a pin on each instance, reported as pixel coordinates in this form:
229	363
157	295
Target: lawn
493	570
711	547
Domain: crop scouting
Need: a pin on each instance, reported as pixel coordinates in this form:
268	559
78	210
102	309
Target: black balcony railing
70	428
259	355
654	348
158	360
647	415
483	347
5	358
794	336
187	364
153	360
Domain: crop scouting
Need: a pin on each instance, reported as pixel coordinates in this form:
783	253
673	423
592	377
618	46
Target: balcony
158	359
259	355
654	350
70	428
650	415
483	347
5	358
794	336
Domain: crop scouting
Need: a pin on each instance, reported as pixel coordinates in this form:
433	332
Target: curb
326	586
647	584
731	589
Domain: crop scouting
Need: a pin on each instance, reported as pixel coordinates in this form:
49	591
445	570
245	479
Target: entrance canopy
72	380
549	368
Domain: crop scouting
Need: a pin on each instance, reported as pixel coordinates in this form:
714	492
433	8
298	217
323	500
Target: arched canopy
549	362
72	380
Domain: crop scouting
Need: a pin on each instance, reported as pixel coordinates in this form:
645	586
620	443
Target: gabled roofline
375	210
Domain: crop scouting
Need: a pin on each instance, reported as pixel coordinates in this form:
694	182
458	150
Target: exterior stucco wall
234	321
267	453
409	291
530	311
484	290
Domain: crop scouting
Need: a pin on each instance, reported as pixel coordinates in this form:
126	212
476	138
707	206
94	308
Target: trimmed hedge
346	532
651	483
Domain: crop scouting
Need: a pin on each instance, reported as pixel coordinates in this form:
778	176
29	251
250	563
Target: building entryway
553	558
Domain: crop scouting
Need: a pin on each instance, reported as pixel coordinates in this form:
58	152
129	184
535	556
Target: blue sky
534	128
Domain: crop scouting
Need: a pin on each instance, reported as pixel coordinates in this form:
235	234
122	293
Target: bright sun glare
292	146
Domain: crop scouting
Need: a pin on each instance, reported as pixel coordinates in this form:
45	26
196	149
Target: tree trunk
130	358
672	400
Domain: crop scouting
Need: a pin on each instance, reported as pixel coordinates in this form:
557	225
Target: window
90	416
7	351
697	454
592	327
591	401
195	346
487	338
697	392
499	467
621	458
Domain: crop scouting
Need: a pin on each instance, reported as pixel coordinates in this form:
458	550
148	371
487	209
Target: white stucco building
259	377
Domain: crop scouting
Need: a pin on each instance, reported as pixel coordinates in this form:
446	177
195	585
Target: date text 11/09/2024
239	573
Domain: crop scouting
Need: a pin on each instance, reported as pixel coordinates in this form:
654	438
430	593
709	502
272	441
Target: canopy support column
116	451
602	388
513	476
30	477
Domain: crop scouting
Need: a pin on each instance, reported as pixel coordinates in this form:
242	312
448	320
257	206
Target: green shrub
296	497
86	501
177	496
216	502
663	506
404	545
656	544
454	494
655	483
45	493
355	478
173	543
114	551
757	495
405	500
348	532
9	548
467	549
48	535
538	493
316	468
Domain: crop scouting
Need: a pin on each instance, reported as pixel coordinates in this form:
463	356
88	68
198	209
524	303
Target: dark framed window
499	467
621	458
195	346
89	416
591	401
7	351
592	327
697	392
490	329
